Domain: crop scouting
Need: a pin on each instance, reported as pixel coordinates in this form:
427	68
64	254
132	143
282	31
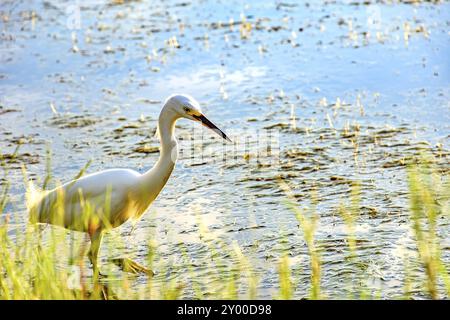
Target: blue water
279	60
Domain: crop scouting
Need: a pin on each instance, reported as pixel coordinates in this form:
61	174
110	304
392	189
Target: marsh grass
308	223
52	265
429	195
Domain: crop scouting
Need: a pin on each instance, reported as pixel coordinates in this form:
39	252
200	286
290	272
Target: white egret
97	202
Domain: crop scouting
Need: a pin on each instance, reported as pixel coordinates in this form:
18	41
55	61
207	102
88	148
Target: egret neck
155	179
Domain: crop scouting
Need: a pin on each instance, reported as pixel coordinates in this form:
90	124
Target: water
343	90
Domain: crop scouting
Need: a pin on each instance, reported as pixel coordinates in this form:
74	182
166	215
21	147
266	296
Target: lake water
340	92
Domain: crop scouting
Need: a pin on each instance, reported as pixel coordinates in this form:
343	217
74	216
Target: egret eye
186	109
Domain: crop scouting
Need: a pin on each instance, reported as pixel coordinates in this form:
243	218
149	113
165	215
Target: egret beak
211	126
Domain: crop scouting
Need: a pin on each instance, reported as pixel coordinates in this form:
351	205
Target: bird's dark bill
211	126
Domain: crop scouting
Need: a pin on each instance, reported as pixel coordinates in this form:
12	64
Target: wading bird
100	201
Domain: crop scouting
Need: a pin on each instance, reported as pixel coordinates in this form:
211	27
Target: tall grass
308	223
52	265
429	195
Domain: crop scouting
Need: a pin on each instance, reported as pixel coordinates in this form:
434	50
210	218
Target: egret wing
88	202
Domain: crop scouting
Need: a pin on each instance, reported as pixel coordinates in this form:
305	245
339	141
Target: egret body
100	201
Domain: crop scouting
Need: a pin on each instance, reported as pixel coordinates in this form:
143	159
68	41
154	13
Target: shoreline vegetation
44	262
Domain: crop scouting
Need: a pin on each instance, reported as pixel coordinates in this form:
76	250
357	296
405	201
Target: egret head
187	107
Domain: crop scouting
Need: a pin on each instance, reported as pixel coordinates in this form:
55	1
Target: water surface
344	91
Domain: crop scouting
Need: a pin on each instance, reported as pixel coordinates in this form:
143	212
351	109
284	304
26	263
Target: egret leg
96	239
103	291
131	266
39	229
